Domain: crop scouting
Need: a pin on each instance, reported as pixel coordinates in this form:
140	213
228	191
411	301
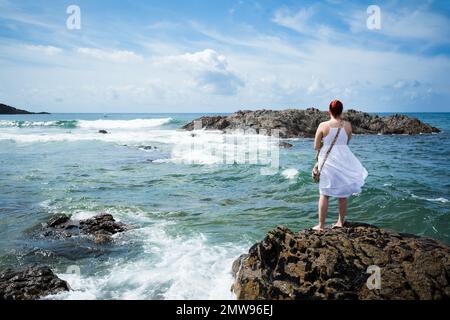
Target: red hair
336	108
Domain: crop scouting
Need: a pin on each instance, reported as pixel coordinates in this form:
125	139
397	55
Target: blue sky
221	56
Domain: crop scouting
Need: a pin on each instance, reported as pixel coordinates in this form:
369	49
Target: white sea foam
123	124
440	199
121	136
17	123
290	173
82	214
198	147
217	148
90	124
170	267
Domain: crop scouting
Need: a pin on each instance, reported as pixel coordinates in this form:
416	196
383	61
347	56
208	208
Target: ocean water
192	213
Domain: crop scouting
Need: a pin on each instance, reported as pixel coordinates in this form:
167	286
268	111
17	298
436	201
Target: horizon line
230	112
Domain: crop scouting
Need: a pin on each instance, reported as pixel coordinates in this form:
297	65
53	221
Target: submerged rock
293	123
285	145
31	283
147	147
333	265
101	227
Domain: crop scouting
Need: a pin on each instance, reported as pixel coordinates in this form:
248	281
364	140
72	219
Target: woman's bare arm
349	132
318	140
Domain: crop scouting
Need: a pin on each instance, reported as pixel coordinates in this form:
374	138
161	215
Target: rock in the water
102	238
293	123
147	147
57	220
285	145
31	283
101	224
102	227
102	131
333	265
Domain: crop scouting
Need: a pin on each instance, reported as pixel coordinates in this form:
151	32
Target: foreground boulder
31	283
101	227
333	265
295	123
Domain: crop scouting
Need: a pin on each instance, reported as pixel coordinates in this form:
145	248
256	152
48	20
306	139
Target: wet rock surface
333	265
31	283
101	227
285	145
293	123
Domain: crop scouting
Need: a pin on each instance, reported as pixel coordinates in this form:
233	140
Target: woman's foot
338	224
318	228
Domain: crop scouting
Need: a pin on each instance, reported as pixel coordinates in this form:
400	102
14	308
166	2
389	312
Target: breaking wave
89	124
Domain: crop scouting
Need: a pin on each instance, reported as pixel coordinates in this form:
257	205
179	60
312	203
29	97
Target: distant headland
5	109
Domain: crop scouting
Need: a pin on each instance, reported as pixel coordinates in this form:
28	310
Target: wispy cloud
46	50
110	55
299	20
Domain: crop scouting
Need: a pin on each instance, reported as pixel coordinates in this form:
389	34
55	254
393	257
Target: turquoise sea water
192	214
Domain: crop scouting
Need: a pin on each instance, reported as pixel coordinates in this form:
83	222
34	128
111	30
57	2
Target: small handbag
315	174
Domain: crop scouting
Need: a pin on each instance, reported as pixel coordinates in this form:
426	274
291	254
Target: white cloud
298	21
403	84
211	71
316	87
110	55
207	58
46	50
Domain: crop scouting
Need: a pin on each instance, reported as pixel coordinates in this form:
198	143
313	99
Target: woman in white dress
342	174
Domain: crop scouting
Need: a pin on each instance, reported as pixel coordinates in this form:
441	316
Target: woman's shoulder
347	124
324	124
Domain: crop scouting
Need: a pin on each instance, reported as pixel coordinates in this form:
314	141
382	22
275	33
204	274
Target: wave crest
123	124
89	124
69	124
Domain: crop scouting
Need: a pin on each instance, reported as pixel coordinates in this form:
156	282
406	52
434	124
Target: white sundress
342	174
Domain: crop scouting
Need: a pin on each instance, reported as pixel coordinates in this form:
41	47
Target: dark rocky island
296	123
333	265
5	109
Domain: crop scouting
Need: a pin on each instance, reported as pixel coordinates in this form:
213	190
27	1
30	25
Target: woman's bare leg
323	209
342	211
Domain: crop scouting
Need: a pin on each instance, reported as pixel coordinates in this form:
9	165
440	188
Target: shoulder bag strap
331	147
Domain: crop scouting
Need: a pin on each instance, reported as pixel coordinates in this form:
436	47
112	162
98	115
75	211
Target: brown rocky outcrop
29	284
295	123
333	265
